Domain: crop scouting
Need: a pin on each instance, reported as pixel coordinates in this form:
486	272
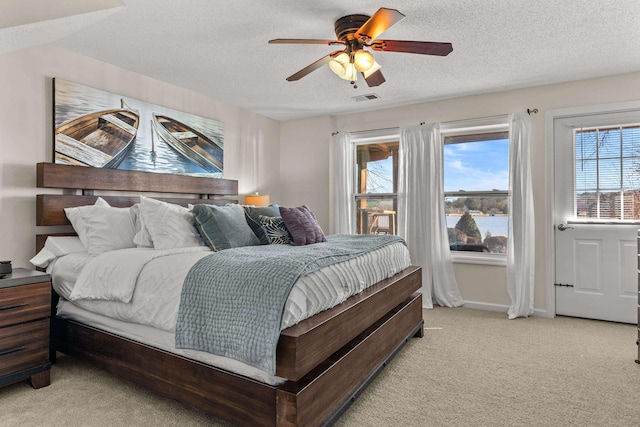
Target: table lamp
257	200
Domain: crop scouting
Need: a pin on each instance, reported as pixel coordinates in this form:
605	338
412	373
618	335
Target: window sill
477	258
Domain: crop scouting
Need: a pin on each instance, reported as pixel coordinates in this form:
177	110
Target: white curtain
421	218
343	204
521	239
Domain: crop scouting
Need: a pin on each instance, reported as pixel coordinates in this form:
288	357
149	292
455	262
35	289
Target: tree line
486	205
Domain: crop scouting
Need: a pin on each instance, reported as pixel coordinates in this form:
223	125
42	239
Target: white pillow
108	229
43	258
75	218
64	245
170	226
142	239
55	247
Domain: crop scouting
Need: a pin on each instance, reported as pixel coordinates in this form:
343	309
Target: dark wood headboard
179	189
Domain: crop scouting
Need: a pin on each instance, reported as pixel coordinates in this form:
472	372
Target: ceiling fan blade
375	79
305	41
380	22
312	67
409	46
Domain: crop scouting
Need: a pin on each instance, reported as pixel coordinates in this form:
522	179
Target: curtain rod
368	130
530	111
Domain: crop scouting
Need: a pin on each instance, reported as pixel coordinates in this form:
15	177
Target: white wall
304	165
26	135
486	284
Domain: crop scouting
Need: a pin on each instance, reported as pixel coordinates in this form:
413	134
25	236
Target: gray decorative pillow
252	214
275	230
302	225
223	227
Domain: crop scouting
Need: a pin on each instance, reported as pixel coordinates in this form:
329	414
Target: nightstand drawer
20	304
24	346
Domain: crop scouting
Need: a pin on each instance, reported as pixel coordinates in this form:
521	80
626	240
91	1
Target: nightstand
25	307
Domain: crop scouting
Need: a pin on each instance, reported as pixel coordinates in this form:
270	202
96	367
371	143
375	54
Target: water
73	100
497	225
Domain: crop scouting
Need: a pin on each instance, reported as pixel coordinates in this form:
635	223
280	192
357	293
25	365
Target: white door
597	202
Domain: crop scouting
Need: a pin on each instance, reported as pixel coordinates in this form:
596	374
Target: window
376	182
607	173
476	189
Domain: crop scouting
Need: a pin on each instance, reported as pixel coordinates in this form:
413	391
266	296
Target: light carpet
472	368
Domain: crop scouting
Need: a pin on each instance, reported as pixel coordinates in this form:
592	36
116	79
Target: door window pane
607	173
609	143
631	172
586	175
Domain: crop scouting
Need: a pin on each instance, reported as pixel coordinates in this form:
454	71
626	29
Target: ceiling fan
355	32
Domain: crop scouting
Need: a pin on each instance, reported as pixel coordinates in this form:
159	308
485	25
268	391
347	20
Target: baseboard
501	308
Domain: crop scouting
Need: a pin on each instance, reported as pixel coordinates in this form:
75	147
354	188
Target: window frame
367	138
460	130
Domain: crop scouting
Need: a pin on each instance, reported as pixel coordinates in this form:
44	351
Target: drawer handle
11	307
12	350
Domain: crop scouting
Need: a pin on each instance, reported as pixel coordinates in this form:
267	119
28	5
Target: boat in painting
100	139
189	142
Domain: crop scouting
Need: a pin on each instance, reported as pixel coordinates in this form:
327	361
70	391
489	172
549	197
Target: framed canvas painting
95	128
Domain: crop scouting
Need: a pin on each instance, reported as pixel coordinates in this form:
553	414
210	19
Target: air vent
368	97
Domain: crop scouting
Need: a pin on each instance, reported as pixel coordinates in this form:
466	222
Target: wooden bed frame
327	359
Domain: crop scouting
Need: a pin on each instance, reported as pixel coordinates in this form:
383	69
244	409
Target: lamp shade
363	60
338	64
257	200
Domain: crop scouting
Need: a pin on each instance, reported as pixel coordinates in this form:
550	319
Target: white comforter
143	286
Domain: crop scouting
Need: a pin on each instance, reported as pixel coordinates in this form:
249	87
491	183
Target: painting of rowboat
96	128
189	142
99	139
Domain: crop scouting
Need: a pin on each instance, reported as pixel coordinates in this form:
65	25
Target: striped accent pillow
275	230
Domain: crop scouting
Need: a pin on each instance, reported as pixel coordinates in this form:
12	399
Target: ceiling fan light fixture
363	60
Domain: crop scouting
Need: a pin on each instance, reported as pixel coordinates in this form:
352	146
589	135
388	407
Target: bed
326	360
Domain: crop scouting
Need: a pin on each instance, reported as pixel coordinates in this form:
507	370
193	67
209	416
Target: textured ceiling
26	23
219	48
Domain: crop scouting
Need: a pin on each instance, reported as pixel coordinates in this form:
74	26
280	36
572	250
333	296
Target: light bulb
363	60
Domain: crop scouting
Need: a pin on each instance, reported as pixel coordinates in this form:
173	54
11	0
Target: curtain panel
343	203
421	217
521	225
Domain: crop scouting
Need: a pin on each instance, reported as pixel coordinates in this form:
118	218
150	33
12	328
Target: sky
477	166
